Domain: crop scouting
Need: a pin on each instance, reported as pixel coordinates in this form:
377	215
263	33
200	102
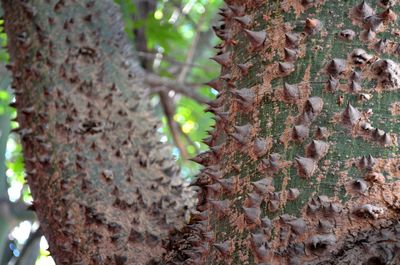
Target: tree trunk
303	167
103	186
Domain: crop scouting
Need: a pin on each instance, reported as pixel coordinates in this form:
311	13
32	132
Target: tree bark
104	188
303	166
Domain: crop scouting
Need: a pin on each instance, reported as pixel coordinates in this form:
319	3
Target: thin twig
157	83
174	127
153	55
190	55
190	141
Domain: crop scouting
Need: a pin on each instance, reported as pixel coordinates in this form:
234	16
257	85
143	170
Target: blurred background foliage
172	39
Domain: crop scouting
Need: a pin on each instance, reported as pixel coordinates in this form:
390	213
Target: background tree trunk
104	188
303	167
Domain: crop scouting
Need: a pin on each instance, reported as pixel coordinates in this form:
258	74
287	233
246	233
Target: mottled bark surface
303	167
102	184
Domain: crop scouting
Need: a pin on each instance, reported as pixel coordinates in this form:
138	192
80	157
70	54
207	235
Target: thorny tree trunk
103	187
304	166
304	160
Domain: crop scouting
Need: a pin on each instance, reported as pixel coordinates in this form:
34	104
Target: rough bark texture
303	166
103	186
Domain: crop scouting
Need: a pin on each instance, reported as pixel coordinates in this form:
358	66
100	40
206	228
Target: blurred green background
172	39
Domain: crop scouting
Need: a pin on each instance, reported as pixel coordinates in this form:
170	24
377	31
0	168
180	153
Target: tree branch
153	55
174	127
157	83
190	55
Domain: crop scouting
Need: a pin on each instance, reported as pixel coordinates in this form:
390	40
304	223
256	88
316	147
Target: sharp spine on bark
245	21
255	199
215	109
388	15
273	206
317	149
223	248
244	68
291	92
360	185
261	252
312	26
367	162
245	96
386	139
314	106
260	146
217	84
305	166
285	67
300	132
293	193
242	133
298	226
372	23
224	59
213	171
332	84
226	77
354	86
221	117
272	163
305	118
380	45
226	13
252	214
292	40
361	11
325	226
227	184
266	222
257	239
262	186
221	206
336	67
216	103
351	115
368	35
347	34
290	54
355	76
312	208
256	38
